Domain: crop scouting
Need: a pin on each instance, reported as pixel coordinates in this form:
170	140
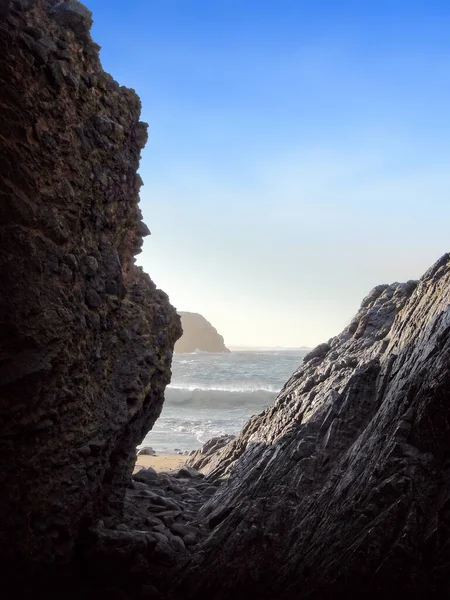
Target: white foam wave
194	387
198	351
202	430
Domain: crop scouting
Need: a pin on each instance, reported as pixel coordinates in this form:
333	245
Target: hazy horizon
298	154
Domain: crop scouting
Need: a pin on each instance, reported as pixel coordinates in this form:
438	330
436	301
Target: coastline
160	462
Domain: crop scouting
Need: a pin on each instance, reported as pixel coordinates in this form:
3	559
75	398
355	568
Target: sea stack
198	334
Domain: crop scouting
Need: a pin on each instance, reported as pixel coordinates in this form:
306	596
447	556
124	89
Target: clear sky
298	154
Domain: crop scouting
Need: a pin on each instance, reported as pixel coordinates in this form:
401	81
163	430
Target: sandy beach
160	462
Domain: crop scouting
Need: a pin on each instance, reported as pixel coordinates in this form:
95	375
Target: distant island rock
198	334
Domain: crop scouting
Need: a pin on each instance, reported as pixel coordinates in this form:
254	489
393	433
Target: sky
298	153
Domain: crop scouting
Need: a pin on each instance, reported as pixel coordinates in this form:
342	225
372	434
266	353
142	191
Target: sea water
215	394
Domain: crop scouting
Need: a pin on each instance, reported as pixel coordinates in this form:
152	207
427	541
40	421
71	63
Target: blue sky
298	153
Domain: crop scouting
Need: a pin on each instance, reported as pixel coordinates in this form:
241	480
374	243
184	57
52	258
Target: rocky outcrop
86	339
203	457
198	334
159	531
341	488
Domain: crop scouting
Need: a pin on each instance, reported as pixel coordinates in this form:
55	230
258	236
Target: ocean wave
191	387
202	430
219	398
198	351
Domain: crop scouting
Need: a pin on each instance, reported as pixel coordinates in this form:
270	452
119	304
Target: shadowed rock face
86	339
198	334
341	488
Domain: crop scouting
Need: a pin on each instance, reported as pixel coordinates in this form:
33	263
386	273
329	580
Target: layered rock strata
341	488
86	339
198	334
209	452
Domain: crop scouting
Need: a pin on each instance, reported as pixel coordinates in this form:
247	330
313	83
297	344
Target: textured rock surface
198	334
159	530
209	452
341	488
86	339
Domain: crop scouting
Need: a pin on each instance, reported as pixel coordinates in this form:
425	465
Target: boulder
186	473
145	475
146	451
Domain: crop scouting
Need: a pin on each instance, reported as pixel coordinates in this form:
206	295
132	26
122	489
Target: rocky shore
173	498
339	489
136	557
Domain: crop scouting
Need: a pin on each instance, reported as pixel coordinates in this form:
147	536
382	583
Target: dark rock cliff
198	334
342	488
86	339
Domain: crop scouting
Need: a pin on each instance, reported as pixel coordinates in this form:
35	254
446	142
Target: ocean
214	394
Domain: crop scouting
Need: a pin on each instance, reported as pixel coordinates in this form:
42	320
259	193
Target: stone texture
158	531
86	339
198	334
209	451
340	489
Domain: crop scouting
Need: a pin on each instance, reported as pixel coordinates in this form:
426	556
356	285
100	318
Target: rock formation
86	339
209	451
198	334
341	488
